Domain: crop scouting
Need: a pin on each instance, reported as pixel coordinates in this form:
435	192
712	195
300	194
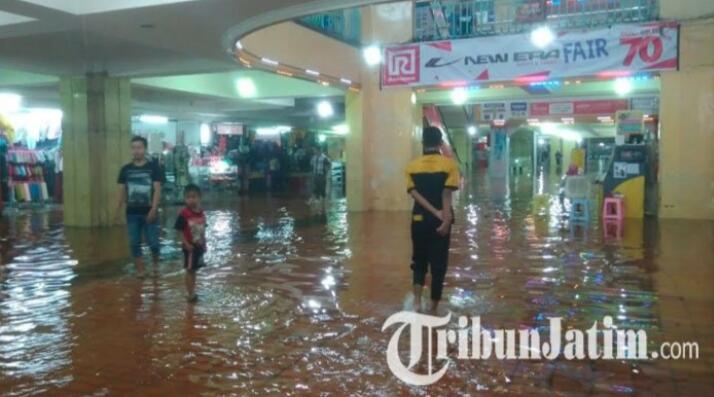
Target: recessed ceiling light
246	87
325	109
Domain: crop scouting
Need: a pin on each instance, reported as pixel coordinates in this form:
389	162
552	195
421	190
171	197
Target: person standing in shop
140	189
320	165
431	180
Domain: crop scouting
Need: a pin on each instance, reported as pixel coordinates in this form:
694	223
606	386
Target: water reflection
292	301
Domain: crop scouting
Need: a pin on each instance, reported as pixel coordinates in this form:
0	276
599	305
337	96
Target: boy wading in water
431	179
191	224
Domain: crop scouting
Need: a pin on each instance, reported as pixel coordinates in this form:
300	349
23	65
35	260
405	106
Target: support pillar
96	130
687	116
385	126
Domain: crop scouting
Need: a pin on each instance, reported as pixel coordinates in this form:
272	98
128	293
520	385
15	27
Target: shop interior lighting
10	103
273	131
341	129
205	134
153	119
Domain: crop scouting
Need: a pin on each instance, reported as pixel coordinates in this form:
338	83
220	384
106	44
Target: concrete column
687	116
96	130
384	124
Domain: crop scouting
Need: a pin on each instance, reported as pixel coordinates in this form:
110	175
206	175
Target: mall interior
583	131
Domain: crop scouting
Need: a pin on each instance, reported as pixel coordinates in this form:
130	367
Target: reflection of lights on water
328	281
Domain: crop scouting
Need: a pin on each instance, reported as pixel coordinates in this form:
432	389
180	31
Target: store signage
622	48
519	109
494	111
579	108
648	104
229	129
629	122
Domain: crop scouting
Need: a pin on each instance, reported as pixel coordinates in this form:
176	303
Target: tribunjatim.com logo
602	341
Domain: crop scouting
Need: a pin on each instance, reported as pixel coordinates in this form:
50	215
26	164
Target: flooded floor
293	302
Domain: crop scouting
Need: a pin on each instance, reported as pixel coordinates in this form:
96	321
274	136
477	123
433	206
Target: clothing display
26	174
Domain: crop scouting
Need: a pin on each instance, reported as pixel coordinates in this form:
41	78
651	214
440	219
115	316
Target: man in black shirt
140	189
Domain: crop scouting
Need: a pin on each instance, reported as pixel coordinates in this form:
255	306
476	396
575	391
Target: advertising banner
594	107
619	49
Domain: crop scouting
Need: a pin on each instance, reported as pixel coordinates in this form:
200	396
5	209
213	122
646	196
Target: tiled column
96	130
384	124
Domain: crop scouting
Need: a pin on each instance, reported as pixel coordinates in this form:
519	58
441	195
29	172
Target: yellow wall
299	46
687	117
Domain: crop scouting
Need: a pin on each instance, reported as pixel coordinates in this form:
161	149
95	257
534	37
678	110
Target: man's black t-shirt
139	182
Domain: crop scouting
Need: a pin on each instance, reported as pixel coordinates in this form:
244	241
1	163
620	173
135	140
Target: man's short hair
141	139
431	136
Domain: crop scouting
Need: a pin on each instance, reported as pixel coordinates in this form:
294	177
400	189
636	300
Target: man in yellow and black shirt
431	179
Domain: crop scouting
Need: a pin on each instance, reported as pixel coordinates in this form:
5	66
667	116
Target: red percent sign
649	49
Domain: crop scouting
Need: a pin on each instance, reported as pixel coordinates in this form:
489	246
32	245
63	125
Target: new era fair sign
620	49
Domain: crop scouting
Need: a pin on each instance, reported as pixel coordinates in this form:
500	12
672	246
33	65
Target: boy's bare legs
190	280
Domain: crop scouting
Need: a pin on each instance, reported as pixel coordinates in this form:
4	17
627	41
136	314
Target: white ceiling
136	37
146	38
83	7
7	18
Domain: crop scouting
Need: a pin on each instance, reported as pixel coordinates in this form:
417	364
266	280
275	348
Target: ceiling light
246	87
346	81
322	138
239	45
414	99
472	130
269	61
623	86
325	109
557	131
10	103
372	55
272	131
312	72
205	132
459	96
341	129
542	36
153	119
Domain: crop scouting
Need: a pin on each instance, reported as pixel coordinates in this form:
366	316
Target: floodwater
292	302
